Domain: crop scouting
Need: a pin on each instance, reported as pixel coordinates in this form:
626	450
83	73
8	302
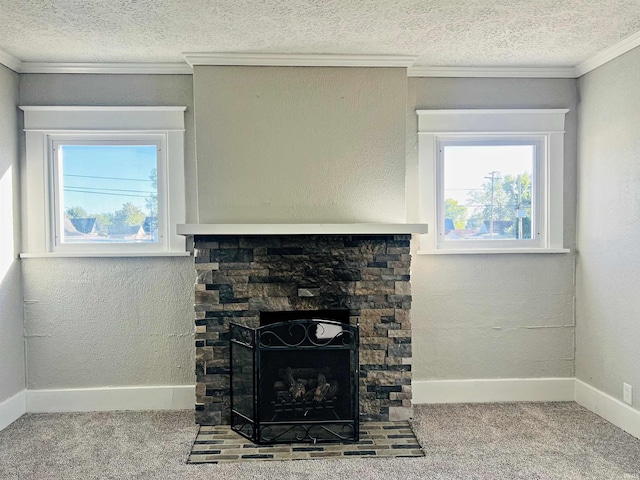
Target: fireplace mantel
301	228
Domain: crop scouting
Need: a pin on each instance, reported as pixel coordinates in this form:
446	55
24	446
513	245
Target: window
488	191
113	176
491	180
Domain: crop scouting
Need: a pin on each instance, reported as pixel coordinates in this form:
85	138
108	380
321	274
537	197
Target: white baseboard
12	409
608	407
176	397
493	390
179	397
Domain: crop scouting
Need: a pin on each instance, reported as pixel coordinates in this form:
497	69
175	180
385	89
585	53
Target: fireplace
295	380
252	280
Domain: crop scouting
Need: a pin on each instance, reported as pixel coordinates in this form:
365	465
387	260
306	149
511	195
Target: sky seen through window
101	178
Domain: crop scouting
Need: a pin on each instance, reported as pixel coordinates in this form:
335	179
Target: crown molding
608	54
10	61
493	72
298	59
140	68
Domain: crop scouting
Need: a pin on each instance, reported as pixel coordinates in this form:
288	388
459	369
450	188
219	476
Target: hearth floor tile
220	444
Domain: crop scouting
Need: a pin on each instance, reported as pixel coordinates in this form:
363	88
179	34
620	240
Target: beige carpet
491	441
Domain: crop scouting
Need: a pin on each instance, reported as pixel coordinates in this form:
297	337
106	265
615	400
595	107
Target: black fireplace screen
295	381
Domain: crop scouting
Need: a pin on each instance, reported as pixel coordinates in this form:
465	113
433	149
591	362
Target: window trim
45	125
547	125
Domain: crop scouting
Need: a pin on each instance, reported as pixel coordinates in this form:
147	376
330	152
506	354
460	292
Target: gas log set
305	384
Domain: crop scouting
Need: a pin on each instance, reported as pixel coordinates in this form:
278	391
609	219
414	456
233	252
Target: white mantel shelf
301	228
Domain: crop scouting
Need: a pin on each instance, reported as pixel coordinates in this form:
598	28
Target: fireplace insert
295	380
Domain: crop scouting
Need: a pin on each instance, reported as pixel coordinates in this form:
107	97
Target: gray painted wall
295	144
95	322
12	362
608	279
116	90
111	321
493	316
90	321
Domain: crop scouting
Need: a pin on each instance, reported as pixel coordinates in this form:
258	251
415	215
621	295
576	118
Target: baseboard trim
608	407
493	390
12	409
182	397
173	397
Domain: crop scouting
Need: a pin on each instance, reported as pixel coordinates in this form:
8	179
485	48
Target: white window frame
538	220
45	127
544	127
56	206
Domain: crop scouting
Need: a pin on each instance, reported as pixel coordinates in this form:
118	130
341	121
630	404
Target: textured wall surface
493	316
473	316
111	321
117	90
95	322
316	145
12	363
608	330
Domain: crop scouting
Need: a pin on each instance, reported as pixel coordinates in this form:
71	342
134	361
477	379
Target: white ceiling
479	33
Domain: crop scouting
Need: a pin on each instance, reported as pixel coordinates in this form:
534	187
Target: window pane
109	193
488	192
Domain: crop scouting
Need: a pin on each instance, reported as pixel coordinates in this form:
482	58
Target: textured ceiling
439	32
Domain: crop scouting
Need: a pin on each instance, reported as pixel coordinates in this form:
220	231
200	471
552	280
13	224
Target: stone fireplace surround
240	275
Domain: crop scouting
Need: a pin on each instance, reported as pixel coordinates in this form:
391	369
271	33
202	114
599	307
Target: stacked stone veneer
240	276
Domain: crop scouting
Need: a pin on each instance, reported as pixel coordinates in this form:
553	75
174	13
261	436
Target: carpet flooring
479	441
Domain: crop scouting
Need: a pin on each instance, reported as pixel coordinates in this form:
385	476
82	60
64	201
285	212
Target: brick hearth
239	276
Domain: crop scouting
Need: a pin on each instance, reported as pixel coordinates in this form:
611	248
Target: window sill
103	254
493	251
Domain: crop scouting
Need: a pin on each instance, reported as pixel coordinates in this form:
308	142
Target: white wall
94	322
297	144
12	364
608	267
493	316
